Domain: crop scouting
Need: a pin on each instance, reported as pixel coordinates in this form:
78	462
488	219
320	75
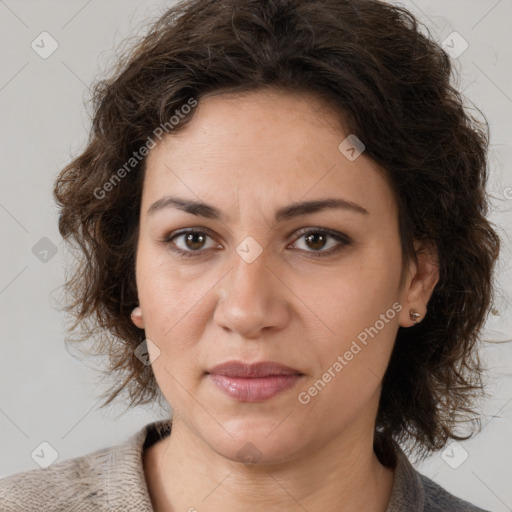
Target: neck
184	473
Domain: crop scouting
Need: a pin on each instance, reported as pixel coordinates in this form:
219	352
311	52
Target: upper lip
254	370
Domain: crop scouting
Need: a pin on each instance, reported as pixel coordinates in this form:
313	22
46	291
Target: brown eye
189	242
316	240
194	241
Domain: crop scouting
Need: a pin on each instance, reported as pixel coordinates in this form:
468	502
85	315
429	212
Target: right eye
190	242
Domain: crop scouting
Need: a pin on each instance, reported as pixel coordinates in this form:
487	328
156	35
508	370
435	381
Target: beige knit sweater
113	479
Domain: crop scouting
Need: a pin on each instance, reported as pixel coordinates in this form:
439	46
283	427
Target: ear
421	280
137	318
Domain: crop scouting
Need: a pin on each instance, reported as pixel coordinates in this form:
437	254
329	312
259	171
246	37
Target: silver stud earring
414	315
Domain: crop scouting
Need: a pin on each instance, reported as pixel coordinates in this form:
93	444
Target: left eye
315	239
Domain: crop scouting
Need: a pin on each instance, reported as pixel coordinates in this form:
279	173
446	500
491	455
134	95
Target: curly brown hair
389	83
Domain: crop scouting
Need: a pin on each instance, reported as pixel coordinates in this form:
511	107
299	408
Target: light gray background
47	395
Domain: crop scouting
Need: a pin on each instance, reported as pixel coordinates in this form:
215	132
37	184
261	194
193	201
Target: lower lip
254	389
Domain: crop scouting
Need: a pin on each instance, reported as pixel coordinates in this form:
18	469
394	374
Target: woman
281	218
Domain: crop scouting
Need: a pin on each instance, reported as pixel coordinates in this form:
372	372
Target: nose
252	298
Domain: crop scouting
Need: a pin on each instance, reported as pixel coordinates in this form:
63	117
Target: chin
256	442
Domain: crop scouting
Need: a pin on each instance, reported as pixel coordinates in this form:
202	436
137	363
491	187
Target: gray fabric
113	479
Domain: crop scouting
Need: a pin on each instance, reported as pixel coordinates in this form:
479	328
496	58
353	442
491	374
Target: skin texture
249	155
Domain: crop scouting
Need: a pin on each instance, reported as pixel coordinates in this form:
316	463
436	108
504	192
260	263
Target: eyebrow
285	213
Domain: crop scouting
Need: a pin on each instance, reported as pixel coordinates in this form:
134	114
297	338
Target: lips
255	382
245	370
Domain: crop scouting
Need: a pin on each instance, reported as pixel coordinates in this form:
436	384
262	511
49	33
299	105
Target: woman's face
315	289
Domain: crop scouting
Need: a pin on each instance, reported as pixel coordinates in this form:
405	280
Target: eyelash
343	239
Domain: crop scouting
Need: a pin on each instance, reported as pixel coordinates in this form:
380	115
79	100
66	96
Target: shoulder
414	492
60	485
438	499
107	479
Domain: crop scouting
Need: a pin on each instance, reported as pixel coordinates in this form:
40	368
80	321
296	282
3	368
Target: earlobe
137	318
421	286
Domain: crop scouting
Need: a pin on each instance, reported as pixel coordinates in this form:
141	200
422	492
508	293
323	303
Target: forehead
266	146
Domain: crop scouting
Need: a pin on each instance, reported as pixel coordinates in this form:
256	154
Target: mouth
256	382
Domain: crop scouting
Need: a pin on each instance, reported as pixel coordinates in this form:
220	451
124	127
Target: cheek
171	298
353	295
348	369
168	308
174	320
358	308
